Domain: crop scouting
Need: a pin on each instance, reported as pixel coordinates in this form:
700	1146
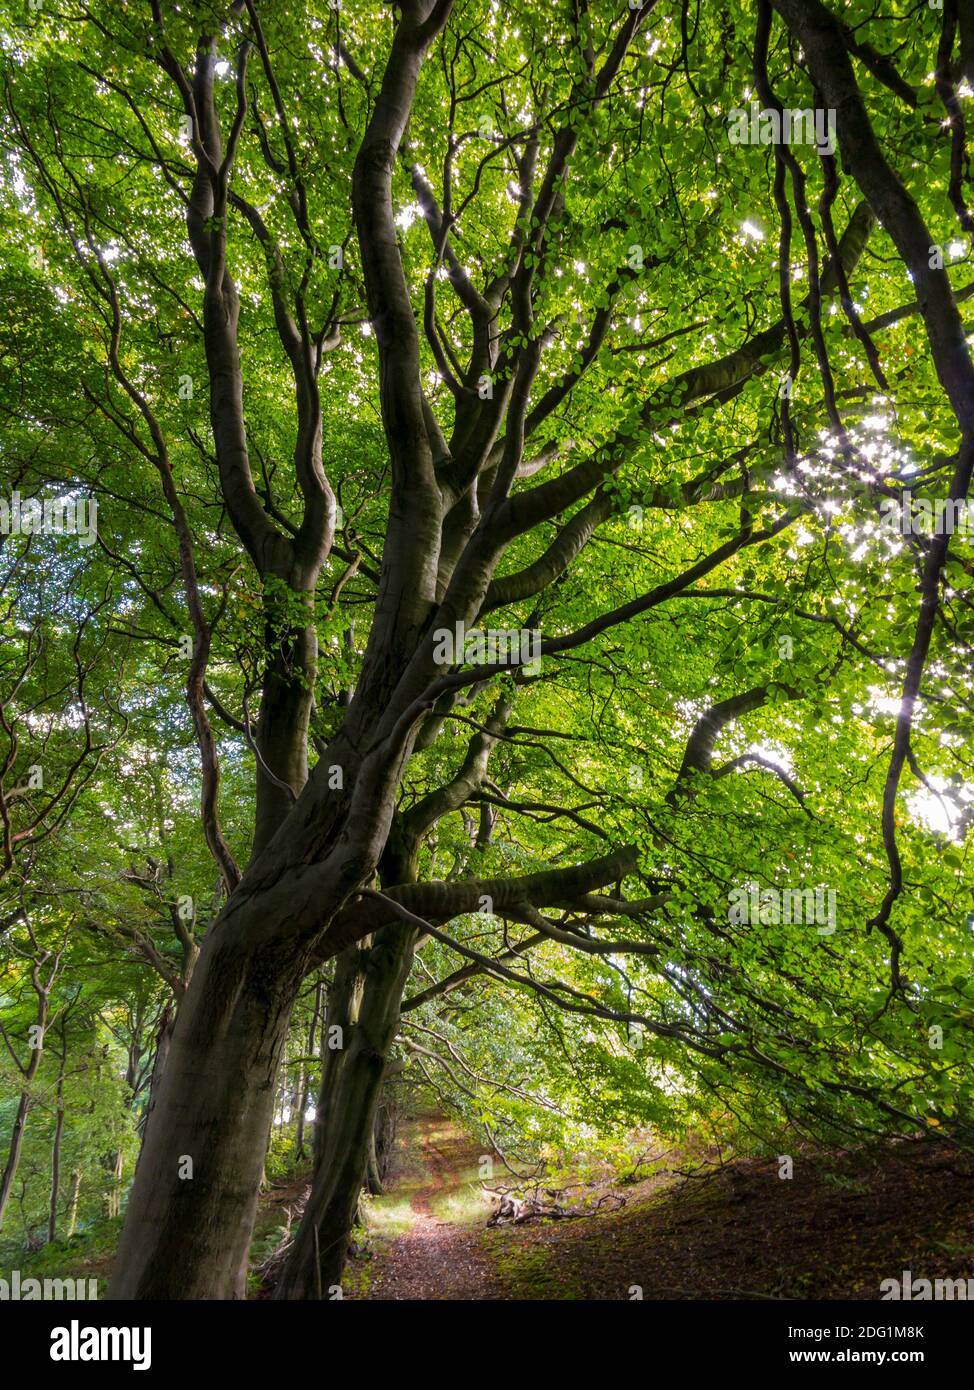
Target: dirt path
439	1256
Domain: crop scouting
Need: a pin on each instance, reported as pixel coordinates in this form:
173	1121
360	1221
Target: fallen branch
516	1211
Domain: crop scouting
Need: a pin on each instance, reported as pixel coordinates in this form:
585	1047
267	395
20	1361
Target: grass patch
526	1271
86	1255
464	1202
389	1216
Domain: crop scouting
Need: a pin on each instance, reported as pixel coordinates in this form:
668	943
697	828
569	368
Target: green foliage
791	1029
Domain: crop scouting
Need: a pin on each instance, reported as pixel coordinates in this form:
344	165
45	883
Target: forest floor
691	1228
838	1227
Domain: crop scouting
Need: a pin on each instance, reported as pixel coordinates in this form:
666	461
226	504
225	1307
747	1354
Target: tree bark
74	1198
285	715
15	1149
304	1090
56	1149
373	1169
115	1191
163	1043
191	1212
350	1101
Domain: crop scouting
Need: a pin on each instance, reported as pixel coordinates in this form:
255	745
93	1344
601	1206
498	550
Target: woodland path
840	1226
438	1257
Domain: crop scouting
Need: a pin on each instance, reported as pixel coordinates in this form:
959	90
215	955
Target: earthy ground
442	1254
836	1229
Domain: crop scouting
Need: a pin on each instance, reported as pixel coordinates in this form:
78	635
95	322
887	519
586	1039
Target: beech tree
378	331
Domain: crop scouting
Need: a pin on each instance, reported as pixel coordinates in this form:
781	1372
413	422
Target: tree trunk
56	1148
23	1109
373	1172
350	1097
115	1192
304	1094
73	1201
163	1041
282	735
191	1211
14	1152
344	1001
382	1140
